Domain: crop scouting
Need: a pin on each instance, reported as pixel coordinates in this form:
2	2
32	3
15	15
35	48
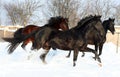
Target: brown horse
93	40
57	22
72	39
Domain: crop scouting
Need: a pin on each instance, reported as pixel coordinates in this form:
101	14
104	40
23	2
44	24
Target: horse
72	39
57	22
107	25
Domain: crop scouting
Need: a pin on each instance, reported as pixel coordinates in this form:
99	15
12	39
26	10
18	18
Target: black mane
54	21
82	23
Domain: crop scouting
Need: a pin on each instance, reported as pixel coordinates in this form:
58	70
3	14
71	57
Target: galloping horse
57	22
72	39
93	40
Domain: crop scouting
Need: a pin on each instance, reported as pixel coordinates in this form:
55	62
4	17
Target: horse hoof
94	58
24	48
44	62
32	48
74	64
83	55
99	60
67	56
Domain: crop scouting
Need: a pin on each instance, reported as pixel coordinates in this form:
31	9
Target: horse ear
109	18
113	19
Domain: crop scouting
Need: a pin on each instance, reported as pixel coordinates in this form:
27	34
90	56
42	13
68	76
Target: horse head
111	25
58	22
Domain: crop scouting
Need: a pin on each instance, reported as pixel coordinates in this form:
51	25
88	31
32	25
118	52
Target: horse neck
105	26
84	28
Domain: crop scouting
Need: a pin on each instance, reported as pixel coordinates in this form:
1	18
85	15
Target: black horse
57	23
73	39
93	40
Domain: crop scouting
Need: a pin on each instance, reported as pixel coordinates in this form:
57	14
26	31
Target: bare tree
65	8
99	7
117	14
0	10
21	13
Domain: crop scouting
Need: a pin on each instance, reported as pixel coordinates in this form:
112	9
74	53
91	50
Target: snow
26	63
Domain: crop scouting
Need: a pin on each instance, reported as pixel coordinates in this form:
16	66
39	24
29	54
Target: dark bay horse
73	39
93	40
57	22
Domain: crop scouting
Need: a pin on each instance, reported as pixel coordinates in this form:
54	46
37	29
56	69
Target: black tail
13	44
8	39
14	41
17	39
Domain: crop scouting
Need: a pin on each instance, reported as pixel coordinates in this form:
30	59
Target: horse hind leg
75	55
100	49
25	43
83	54
96	55
43	55
68	54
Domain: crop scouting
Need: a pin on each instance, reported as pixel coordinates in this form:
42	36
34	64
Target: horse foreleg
96	47
68	54
100	49
75	55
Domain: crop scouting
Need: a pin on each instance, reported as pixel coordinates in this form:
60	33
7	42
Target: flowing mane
54	21
83	22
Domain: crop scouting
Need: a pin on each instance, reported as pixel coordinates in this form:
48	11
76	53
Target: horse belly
61	44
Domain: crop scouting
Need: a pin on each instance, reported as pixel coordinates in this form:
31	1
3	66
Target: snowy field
27	63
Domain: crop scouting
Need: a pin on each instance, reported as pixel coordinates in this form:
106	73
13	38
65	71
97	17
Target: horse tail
13	44
8	39
14	41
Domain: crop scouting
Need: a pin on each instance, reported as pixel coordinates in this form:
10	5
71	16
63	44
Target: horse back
28	29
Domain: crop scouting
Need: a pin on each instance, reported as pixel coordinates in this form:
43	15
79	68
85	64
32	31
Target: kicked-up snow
26	63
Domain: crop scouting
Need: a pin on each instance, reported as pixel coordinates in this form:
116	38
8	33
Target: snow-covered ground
27	63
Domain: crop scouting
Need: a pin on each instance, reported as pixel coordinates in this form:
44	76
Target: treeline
35	11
